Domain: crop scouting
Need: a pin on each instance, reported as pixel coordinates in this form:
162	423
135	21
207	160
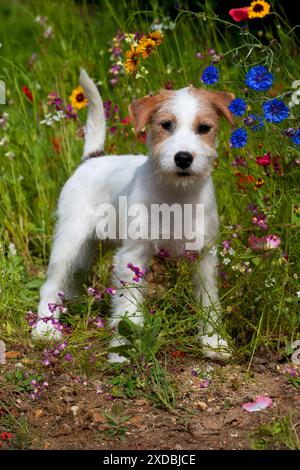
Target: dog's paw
46	331
214	347
115	358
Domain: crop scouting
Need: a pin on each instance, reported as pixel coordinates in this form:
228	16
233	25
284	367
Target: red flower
265	160
239	14
125	120
6	435
27	92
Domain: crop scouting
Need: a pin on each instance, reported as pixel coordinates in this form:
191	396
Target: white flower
270	282
3	141
213	251
231	251
59	115
48	120
9	155
298	293
226	261
12	249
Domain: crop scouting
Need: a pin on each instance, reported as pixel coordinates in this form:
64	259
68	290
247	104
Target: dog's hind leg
206	289
127	302
72	252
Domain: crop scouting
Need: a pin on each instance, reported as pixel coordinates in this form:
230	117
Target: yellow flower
132	60
78	98
156	36
258	9
146	47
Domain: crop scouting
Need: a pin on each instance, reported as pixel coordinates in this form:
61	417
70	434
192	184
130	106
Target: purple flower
163	253
204	384
111	291
254	122
138	273
62	345
68	357
95	293
289	132
260	221
226	245
99	322
239	161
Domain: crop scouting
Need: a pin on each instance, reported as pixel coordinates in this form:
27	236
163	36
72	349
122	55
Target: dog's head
182	129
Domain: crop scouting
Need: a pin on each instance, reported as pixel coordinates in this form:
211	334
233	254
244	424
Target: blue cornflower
275	110
210	75
238	138
259	78
237	106
254	122
296	137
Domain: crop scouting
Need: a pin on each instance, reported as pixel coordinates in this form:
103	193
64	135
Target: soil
72	415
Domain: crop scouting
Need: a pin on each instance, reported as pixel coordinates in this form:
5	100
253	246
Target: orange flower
132	60
156	36
146	47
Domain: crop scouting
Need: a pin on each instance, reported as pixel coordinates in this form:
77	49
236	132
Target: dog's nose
183	159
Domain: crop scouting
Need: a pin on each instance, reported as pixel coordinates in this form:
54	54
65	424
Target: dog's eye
203	129
168	126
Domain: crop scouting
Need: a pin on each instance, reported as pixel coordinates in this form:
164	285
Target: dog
182	130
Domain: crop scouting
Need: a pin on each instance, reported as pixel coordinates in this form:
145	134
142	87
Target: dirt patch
79	413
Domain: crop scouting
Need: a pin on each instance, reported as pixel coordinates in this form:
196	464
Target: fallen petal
260	403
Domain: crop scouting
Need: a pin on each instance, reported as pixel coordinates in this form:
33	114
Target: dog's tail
95	125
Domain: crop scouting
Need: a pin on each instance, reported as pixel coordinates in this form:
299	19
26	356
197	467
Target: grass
260	307
280	434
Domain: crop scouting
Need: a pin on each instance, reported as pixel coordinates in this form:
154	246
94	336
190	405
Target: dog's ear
221	100
141	110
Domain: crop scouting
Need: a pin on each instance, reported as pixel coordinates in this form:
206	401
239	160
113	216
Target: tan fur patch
142	110
218	101
209	118
158	134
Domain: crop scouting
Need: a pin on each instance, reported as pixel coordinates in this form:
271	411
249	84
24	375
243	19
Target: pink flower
265	160
260	403
239	14
271	242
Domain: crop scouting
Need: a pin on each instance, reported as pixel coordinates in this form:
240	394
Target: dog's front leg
206	290
129	297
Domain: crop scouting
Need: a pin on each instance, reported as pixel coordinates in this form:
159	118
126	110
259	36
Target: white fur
145	180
